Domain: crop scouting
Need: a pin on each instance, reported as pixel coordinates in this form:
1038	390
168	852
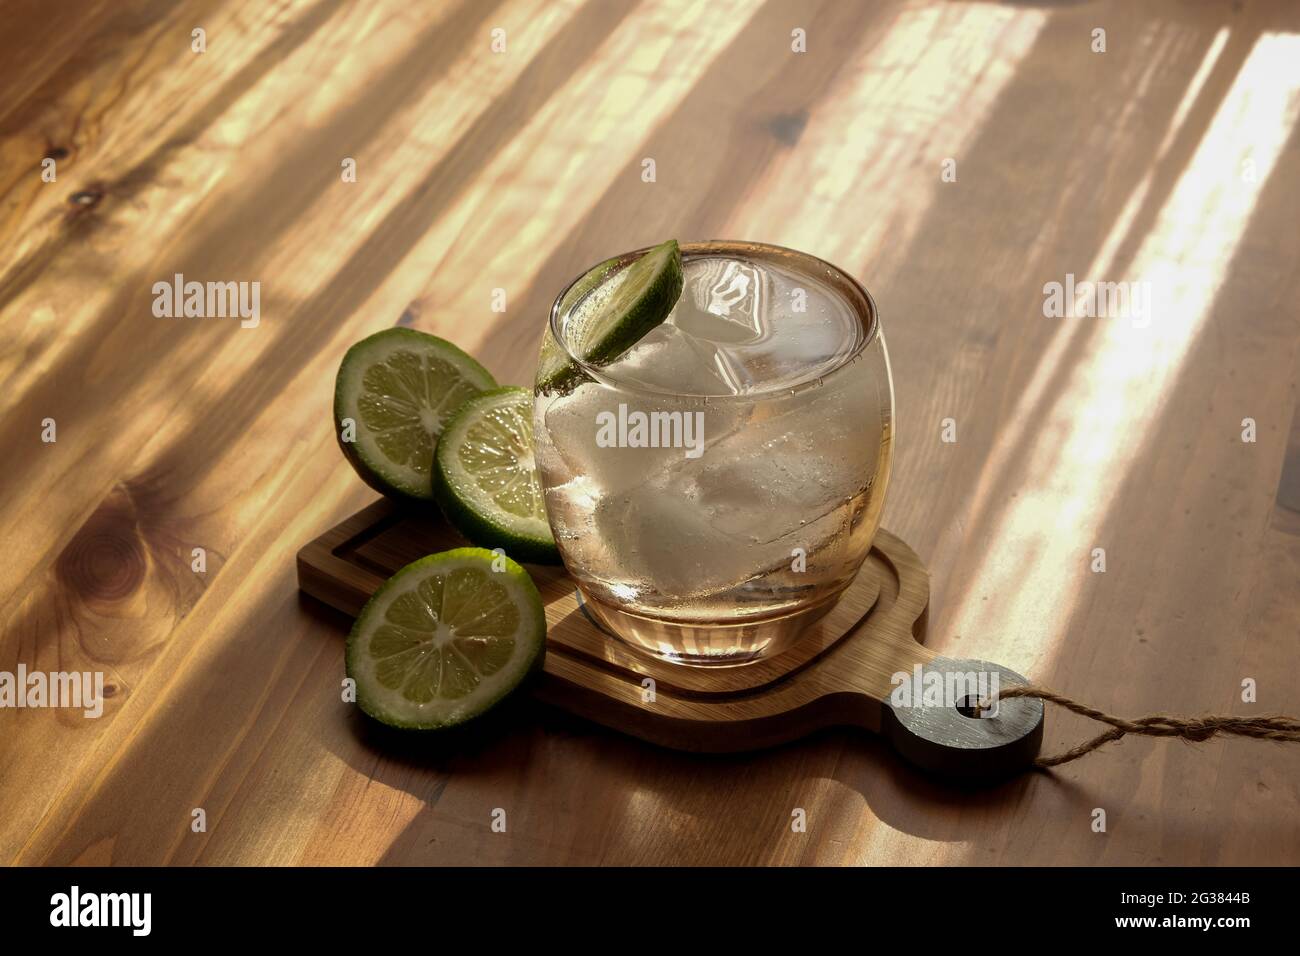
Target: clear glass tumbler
714	489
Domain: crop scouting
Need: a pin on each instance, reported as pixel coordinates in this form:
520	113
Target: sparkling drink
715	488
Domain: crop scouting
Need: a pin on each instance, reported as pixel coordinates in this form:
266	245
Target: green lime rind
400	386
485	479
555	370
609	310
446	639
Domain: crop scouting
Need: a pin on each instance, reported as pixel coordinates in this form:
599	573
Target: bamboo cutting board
840	673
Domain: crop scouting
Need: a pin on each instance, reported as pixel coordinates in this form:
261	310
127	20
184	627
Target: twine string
1195	729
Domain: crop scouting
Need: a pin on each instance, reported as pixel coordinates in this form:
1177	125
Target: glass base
722	644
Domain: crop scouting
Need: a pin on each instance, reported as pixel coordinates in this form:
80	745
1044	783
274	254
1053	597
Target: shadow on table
661	806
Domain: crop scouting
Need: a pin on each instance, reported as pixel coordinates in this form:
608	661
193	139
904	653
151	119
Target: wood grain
1173	158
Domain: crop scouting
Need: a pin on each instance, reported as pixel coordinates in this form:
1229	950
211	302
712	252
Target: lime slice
399	387
554	369
485	479
445	639
610	309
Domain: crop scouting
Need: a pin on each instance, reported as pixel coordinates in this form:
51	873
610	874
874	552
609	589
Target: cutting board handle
948	739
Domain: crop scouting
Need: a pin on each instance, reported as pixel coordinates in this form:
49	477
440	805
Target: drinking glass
715	489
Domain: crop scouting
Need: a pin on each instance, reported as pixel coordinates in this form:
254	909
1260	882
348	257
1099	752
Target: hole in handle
971	708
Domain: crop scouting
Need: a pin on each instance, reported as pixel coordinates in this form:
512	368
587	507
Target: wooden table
1171	159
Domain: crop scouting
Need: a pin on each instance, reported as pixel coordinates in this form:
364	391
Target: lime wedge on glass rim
609	310
485	479
445	639
399	387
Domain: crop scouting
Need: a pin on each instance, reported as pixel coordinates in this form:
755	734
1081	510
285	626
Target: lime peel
611	308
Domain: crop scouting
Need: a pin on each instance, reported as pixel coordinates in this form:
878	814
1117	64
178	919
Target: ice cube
723	301
573	422
772	483
668	359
